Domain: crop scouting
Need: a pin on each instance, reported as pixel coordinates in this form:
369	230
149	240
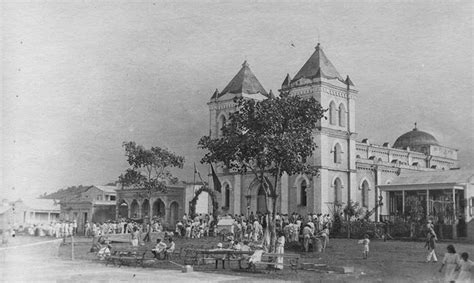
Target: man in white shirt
159	249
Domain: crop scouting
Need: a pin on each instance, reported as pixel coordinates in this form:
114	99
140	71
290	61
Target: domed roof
415	138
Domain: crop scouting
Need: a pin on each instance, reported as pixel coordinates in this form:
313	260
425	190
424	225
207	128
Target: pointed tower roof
244	82
215	95
287	81
271	95
318	65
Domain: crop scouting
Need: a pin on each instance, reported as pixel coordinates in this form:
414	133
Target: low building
87	203
35	211
168	206
447	198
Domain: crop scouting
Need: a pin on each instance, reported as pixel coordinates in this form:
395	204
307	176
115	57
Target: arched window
342	115
337	151
227	196
303	193
332	113
220	125
337	190
365	194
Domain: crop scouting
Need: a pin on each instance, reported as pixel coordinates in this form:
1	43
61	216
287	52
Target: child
431	245
451	261
366	243
466	266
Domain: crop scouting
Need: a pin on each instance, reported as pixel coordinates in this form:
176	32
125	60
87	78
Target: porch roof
432	179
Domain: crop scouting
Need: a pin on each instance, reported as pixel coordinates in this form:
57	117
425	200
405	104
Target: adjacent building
86	203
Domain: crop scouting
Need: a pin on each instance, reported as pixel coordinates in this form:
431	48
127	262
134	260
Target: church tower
233	199
334	137
244	84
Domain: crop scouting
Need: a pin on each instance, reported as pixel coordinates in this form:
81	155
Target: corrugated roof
318	65
107	189
244	82
42	205
433	177
69	193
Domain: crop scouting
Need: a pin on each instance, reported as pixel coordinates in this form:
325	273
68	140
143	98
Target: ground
392	261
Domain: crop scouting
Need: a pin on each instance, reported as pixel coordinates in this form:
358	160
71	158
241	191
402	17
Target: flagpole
194	177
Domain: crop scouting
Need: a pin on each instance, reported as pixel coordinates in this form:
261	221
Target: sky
82	77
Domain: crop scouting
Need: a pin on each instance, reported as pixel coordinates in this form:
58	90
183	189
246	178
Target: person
159	250
280	249
431	245
170	249
451	261
134	237
104	251
254	258
466	267
366	243
430	227
148	231
87	227
307	235
325	238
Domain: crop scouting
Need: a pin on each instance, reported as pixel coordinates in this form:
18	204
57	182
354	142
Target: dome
414	139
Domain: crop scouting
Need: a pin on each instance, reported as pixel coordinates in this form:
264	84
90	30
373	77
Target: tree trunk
273	237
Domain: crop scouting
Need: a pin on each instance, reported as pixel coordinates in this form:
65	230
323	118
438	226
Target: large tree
267	138
149	168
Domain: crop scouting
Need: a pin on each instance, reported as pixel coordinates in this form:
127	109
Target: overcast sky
79	79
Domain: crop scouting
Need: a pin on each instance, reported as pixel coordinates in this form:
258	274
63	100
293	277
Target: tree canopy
149	168
267	138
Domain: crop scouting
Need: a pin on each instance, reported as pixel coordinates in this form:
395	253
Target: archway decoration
212	194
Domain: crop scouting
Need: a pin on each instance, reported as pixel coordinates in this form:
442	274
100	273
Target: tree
415	213
149	168
267	138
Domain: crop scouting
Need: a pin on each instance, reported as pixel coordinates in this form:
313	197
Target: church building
349	169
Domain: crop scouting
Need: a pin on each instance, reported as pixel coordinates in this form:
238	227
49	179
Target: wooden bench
270	260
122	257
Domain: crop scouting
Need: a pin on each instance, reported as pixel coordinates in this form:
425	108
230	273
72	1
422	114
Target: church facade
349	169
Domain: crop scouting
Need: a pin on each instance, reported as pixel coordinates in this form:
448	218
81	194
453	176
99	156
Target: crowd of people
121	226
57	229
313	228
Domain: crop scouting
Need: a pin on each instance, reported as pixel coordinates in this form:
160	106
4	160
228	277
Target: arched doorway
159	208
146	208
174	213
261	200
123	209
134	209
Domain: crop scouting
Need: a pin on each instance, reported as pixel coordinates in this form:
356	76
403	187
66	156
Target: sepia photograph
237	141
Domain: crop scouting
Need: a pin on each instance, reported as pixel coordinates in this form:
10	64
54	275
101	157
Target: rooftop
433	177
318	65
244	82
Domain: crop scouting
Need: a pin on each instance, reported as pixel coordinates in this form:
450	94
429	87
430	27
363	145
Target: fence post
72	247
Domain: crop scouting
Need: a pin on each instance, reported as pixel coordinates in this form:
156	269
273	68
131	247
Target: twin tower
335	154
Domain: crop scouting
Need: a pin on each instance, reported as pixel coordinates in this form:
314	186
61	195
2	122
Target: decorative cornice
337	133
